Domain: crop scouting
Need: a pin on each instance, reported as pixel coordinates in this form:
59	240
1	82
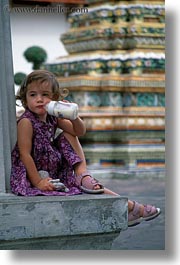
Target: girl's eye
32	94
46	95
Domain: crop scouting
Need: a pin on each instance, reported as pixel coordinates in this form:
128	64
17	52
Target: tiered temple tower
115	71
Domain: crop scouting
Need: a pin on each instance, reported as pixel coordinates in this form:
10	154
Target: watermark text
48	9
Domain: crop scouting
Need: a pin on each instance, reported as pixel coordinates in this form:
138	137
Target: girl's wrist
37	181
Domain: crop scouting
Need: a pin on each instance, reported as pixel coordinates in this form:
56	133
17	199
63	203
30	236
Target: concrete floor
147	235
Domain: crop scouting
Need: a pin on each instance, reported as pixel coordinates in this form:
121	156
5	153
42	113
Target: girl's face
37	96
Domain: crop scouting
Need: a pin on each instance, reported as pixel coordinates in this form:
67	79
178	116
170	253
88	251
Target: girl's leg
74	141
136	212
130	203
82	167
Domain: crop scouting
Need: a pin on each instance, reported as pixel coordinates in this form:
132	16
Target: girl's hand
45	185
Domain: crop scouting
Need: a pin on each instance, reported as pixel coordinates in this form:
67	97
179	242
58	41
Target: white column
7	99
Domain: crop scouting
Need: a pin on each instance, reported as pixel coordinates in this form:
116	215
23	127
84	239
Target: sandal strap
149	210
93	181
136	209
79	179
149	213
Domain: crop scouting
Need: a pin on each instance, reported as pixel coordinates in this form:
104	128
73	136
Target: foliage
36	55
19	77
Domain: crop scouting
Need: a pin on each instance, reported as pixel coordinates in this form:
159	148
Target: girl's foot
88	184
141	213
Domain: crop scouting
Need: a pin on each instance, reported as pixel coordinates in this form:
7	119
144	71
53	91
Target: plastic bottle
56	182
62	109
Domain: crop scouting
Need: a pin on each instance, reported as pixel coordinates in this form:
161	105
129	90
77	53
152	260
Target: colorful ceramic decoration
115	72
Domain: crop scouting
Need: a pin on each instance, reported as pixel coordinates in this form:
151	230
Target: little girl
61	157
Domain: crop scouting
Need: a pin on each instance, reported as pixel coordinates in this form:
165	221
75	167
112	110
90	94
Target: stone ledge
83	242
45	218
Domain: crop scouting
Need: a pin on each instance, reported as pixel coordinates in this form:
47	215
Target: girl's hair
41	76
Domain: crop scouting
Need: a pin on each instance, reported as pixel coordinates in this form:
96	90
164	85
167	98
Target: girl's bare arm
75	127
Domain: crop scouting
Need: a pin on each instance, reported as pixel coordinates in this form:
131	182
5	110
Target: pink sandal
90	184
150	212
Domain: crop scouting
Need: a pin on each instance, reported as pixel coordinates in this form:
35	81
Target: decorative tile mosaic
106	63
122	123
115	72
130	155
116	99
113	13
111	37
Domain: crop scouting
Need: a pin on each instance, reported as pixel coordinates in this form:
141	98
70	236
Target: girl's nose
39	98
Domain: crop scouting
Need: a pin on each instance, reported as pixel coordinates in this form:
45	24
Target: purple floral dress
51	154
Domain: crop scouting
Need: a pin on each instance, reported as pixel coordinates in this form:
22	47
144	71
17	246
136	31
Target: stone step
60	222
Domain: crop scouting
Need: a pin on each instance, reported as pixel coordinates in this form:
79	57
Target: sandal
88	183
150	212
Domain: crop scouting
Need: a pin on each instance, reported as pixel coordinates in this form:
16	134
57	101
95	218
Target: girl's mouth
40	107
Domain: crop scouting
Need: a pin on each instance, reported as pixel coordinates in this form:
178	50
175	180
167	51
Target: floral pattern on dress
51	154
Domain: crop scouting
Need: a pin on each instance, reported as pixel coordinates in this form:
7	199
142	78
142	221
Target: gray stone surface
148	235
82	242
7	99
48	220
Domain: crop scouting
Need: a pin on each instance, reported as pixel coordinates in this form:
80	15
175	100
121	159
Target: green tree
19	77
35	55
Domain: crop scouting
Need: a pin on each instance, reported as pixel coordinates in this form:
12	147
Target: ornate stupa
115	71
